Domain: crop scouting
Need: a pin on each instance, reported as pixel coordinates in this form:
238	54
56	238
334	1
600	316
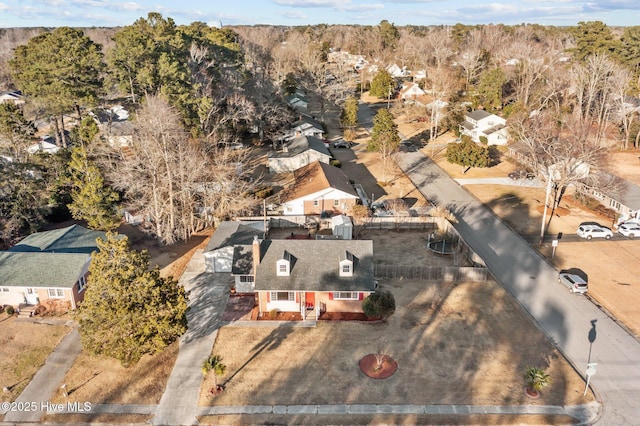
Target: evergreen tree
92	200
16	131
128	310
350	117
384	137
383	85
490	89
59	71
593	37
468	153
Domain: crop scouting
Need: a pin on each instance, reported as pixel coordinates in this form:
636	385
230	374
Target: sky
112	13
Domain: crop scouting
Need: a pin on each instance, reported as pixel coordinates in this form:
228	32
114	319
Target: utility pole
546	202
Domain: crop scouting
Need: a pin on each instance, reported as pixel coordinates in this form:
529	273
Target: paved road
580	330
208	295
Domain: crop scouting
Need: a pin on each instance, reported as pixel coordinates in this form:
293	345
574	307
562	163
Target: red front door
310	299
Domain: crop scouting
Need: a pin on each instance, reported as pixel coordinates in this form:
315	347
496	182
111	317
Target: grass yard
24	347
102	380
465	343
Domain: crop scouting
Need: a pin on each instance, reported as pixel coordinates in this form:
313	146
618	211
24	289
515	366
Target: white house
305	126
14	96
412	93
44	145
319	189
398	72
298	153
480	123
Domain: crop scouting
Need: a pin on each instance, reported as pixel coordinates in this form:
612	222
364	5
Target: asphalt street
580	330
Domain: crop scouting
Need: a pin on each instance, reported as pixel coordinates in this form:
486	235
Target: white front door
32	296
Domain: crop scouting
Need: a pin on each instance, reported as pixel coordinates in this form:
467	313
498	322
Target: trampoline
441	246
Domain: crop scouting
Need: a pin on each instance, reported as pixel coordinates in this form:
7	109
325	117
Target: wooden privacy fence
432	273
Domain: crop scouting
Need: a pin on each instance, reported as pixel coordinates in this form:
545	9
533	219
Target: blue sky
85	13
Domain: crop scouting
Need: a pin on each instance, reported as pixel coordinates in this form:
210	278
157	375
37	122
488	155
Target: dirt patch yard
465	343
24	347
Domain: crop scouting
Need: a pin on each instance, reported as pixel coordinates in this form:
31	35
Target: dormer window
283	265
346	264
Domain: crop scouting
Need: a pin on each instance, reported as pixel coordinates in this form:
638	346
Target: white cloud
310	3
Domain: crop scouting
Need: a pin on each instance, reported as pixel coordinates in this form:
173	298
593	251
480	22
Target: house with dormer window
481	125
312	276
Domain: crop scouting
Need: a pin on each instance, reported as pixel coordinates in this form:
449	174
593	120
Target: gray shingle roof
232	233
72	239
478	114
300	145
32	269
315	265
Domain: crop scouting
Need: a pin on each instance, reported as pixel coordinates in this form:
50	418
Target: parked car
522	174
629	229
594	231
341	144
575	283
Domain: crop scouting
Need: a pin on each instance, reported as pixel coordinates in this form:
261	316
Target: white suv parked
594	231
629	229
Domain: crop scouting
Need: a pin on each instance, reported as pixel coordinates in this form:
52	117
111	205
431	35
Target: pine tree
384	137
92	200
128	310
382	85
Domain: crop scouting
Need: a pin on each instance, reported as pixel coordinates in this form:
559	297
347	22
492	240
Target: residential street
584	333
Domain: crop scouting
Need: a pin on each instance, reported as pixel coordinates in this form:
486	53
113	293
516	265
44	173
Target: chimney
255	251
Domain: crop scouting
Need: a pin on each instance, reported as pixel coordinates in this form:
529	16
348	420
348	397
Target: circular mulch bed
369	366
531	393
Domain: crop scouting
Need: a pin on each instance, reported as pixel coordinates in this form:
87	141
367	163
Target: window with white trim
82	283
55	292
315	203
336	203
283	296
345	295
346	268
4	289
246	278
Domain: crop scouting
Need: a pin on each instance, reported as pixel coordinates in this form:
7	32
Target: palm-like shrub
536	378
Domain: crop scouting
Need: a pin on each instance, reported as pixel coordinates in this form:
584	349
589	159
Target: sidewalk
585	414
46	381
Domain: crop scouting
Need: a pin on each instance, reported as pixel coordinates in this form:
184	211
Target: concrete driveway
583	332
208	295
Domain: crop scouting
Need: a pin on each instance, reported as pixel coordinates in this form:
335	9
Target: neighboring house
297	101
319	188
115	125
398	72
419	75
313	276
298	153
412	93
305	126
14	96
229	250
49	266
625	200
46	145
480	123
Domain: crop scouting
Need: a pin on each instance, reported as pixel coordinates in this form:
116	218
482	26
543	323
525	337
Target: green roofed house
50	266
